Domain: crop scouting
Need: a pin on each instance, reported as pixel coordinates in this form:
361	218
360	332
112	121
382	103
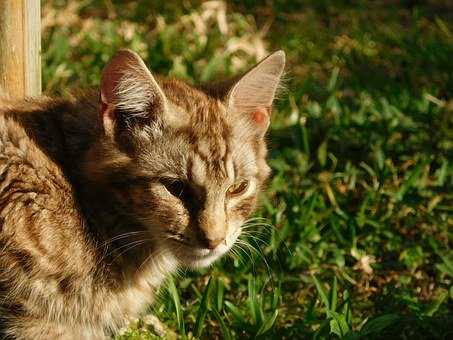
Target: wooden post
20	48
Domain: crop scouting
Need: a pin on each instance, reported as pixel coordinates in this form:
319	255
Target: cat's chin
200	263
201	258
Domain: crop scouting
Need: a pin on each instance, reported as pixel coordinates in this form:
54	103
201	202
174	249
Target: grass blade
267	325
376	325
333	295
223	328
236	312
202	310
321	292
177	304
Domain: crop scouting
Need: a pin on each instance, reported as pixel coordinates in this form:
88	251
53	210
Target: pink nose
212	244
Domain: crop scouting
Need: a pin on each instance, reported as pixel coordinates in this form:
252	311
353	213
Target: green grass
360	206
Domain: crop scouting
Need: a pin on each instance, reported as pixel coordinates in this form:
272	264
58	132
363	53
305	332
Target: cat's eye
176	187
238	188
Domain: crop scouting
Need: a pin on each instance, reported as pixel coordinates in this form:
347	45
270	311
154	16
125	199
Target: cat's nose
213	243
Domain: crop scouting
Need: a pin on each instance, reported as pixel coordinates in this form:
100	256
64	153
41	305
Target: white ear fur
255	91
128	85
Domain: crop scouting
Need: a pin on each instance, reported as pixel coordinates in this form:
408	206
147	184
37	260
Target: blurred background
358	219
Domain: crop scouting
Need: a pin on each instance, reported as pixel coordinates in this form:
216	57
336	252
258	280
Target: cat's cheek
166	212
243	208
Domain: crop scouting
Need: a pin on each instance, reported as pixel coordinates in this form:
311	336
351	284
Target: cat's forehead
215	153
201	144
200	152
184	96
200	118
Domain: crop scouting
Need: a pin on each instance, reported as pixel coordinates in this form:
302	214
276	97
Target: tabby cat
104	195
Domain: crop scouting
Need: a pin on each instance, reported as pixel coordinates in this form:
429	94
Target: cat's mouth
197	257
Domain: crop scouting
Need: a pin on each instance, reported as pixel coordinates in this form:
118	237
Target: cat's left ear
129	92
252	95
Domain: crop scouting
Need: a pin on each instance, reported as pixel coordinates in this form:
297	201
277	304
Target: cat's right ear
129	92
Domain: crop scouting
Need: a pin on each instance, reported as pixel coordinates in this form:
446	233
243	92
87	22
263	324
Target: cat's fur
101	199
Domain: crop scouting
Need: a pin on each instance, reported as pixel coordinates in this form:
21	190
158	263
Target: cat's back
43	245
41	229
31	183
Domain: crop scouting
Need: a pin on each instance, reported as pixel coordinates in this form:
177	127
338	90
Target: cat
105	194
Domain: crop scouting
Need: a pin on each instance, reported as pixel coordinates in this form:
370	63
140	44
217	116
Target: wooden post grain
20	48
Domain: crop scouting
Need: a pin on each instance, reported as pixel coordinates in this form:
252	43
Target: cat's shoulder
17	130
31	182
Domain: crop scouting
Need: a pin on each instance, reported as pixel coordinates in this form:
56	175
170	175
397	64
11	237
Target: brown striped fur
101	200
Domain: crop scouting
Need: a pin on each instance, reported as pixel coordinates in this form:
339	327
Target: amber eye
238	188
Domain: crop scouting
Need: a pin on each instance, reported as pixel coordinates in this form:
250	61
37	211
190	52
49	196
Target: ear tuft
128	86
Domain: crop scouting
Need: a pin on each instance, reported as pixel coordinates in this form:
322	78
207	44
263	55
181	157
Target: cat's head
190	164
